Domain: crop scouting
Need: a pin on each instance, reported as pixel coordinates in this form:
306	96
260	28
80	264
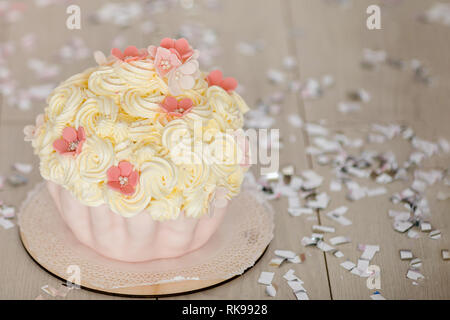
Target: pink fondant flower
180	47
123	178
215	78
131	53
165	61
178	61
31	131
183	77
177	108
71	142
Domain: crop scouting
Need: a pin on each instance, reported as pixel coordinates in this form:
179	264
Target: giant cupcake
142	153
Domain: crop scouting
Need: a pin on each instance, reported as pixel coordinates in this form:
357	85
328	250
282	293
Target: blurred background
303	66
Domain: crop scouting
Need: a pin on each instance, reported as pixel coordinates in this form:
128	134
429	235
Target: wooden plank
331	42
266	24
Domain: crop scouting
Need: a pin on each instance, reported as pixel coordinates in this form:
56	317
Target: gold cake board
239	243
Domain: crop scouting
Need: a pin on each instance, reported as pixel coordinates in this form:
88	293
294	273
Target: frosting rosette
144	132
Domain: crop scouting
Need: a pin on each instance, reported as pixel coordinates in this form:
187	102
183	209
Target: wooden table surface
325	37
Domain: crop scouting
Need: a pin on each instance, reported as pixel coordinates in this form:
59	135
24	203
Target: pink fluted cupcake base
241	238
135	239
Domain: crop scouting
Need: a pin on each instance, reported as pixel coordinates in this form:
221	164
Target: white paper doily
243	236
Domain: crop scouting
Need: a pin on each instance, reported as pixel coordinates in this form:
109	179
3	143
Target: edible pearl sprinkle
73	146
123	180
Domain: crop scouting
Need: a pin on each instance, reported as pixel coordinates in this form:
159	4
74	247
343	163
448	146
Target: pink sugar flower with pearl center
131	53
71	142
177	108
215	78
165	61
123	178
176	60
179	47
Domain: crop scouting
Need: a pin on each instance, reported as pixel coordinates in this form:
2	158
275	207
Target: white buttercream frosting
181	160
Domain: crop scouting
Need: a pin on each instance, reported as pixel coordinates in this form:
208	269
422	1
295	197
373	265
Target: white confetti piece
445	255
376	138
308	241
290	276
296	285
325	247
427	147
266	278
271	291
376	192
316	130
295	260
6	224
121	14
337	215
296	183
301	295
444	145
276	262
358	172
347	107
369	252
356	194
402	226
296	212
348	265
294	202
438	13
335	186
312	179
339	240
318	228
415	263
321	201
275	76
362	267
425	227
414	275
435	234
24	168
7	211
327	146
286	254
413	234
399	215
384	179
430	177
49	290
406	255
295	120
